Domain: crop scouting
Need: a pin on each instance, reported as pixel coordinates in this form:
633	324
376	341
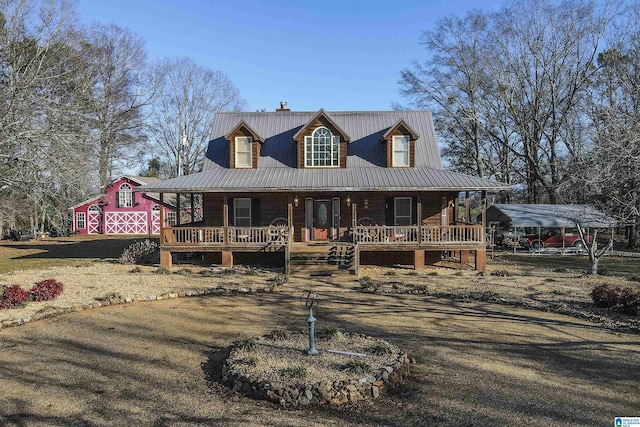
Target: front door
321	219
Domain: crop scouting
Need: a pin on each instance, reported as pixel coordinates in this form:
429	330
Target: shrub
279	335
45	290
357	367
390	273
163	270
184	272
365	281
247	345
141	252
136	269
604	295
277	281
500	273
629	301
298	372
228	271
13	296
432	273
329	332
381	349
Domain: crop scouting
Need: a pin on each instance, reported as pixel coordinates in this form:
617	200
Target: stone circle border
321	393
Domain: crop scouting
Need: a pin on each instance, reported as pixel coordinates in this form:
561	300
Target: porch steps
321	260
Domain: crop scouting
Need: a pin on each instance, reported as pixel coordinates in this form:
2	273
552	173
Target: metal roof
365	129
549	216
366	168
350	179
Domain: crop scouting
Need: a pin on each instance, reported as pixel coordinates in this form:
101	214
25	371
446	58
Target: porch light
348	200
295	201
366	203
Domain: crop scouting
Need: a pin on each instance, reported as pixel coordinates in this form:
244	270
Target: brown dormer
244	147
321	143
400	145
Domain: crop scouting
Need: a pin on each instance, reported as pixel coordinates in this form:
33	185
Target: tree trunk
632	236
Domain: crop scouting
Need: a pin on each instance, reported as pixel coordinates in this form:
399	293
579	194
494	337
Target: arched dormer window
125	196
321	149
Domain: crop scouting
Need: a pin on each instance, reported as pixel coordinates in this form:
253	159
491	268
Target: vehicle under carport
509	224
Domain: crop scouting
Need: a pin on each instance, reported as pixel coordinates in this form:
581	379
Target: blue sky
336	55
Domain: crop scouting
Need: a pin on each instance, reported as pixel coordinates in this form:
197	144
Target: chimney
283	107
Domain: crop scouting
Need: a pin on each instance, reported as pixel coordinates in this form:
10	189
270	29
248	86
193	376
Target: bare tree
42	137
509	88
182	115
117	92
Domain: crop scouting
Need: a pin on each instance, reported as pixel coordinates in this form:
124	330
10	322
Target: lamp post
311	299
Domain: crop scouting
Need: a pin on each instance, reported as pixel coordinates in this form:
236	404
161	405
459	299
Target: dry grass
280	359
87	284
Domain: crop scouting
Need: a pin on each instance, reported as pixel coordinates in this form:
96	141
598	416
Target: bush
357	367
604	296
279	335
297	372
500	273
141	252
629	301
45	290
381	349
13	296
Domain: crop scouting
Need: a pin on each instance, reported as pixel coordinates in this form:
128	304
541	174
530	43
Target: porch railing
363	235
414	235
215	236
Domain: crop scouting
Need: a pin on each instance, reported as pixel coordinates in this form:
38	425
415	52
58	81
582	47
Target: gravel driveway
476	364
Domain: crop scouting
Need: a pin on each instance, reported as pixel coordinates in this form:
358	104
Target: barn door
94	220
321	219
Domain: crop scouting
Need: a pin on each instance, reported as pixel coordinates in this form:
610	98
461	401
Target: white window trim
395	210
334	149
235	211
125	196
394	151
250	165
80	215
172	218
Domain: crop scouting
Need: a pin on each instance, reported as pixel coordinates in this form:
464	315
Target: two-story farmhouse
360	187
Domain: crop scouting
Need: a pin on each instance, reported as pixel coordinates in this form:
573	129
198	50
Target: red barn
120	210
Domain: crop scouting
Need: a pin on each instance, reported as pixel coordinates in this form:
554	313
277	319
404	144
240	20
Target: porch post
354	222
456	209
484	216
481	259
225	221
193	217
178	216
419	217
467	208
287	248
165	256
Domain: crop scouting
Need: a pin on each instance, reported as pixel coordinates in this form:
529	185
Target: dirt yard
481	358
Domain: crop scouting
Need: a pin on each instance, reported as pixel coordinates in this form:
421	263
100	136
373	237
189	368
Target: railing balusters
449	234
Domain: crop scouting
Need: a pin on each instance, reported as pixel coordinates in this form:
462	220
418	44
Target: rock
287	397
308	394
375	391
128	299
304	401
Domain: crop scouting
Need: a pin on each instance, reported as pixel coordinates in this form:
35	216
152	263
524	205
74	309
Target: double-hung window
172	218
81	220
321	149
402	211
242	212
244	157
125	196
400	151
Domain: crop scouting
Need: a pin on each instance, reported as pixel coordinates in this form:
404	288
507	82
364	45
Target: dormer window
400	141
400	151
322	149
244	153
